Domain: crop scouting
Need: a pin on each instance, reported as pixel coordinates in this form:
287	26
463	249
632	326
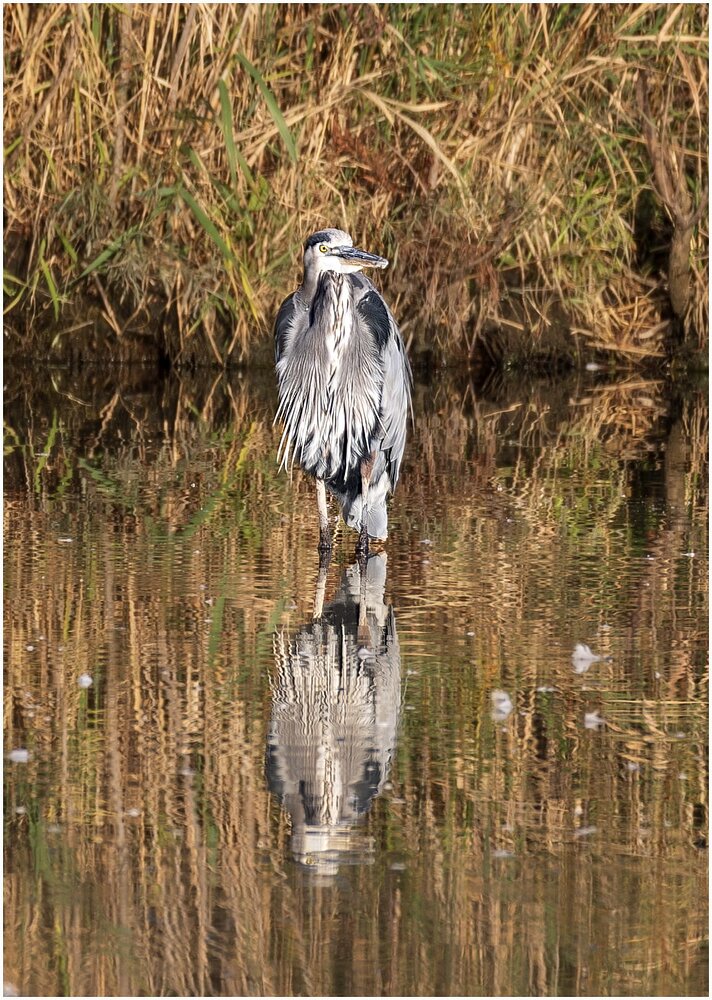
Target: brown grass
166	161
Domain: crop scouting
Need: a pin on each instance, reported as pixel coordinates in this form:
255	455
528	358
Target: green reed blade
108	252
52	288
69	249
228	135
206	222
271	103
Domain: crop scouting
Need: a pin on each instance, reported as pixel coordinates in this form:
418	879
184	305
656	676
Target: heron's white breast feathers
330	385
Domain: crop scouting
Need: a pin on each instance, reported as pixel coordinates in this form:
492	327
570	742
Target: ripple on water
214	783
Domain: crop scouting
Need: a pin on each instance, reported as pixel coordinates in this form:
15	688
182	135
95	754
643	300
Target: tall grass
165	162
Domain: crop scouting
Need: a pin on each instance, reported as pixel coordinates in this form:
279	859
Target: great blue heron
344	385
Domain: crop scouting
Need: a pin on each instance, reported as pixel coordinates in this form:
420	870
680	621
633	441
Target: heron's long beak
359	257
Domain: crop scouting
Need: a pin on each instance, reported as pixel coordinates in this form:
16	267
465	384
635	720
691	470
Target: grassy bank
535	175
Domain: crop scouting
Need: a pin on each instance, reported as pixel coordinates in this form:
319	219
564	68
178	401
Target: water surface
209	792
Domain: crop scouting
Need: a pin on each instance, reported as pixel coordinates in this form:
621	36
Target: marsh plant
536	174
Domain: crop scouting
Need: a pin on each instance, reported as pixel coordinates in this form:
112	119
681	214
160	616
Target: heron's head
333	250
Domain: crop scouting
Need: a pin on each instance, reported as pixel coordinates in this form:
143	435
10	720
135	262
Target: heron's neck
333	313
322	283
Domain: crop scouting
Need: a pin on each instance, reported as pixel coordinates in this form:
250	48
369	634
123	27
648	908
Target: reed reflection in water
540	826
336	703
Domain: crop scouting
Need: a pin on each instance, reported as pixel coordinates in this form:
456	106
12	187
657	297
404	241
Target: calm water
208	792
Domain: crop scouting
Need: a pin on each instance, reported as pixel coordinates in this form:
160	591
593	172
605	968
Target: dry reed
163	163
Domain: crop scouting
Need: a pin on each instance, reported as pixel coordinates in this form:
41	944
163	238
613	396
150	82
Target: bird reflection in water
335	710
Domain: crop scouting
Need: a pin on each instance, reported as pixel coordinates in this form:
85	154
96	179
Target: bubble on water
66	540
19	755
501	706
85	681
585	831
425	541
583	656
29	647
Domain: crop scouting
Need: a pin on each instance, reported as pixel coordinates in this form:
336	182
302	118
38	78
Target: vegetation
533	190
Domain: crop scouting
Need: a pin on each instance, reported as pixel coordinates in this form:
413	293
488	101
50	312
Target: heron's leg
324	559
366	470
324	533
363	632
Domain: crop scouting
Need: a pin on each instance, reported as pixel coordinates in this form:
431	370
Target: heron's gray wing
283	325
373	313
395	401
395	395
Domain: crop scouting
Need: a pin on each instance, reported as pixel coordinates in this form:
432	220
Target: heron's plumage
344	384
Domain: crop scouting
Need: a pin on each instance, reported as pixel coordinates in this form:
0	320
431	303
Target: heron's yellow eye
324	248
